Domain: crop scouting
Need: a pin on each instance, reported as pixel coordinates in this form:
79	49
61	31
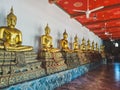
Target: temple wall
32	17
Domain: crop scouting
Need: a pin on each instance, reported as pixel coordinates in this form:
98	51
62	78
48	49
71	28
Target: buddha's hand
51	46
20	42
1	41
6	45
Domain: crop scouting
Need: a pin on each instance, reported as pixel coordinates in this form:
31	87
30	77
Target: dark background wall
111	50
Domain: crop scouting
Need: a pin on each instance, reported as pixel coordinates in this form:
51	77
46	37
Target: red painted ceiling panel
99	21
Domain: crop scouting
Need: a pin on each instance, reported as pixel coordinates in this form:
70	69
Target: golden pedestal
71	59
18	67
89	57
52	62
82	58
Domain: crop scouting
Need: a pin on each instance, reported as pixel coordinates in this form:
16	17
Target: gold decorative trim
78	4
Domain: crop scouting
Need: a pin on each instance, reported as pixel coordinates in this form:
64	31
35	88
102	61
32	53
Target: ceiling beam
103	31
116	38
52	1
109	30
94	29
101	21
114	31
105	8
103	35
77	14
108	36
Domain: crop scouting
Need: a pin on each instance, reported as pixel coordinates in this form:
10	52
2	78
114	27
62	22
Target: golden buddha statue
46	41
83	45
93	48
88	47
10	37
97	49
102	51
75	44
64	43
102	48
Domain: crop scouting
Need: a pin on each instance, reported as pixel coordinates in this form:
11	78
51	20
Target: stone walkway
105	77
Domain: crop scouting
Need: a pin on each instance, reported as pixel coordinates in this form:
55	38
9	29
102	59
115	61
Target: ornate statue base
82	57
52	61
18	67
89	56
103	55
71	59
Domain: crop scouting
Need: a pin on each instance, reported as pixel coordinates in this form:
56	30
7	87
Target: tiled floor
105	77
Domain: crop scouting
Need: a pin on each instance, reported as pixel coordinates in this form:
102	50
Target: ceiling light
95	16
116	44
111	40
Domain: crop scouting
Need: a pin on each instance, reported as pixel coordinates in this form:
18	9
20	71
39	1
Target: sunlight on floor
117	71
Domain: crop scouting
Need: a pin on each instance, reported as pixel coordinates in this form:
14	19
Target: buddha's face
11	22
65	36
47	32
76	39
83	42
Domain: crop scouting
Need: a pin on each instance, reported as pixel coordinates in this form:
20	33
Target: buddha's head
102	47
47	30
83	41
76	38
88	42
65	35
93	43
96	45
11	19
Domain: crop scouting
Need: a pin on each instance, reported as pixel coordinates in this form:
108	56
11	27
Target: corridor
105	77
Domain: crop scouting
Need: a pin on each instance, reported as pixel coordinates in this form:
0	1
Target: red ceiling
107	19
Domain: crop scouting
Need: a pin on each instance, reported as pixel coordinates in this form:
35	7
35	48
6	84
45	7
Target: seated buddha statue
102	48
88	47
93	48
10	37
83	45
46	41
97	49
75	44
64	43
102	51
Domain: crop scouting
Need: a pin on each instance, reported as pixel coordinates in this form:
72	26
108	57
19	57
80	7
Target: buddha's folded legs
1	47
19	48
